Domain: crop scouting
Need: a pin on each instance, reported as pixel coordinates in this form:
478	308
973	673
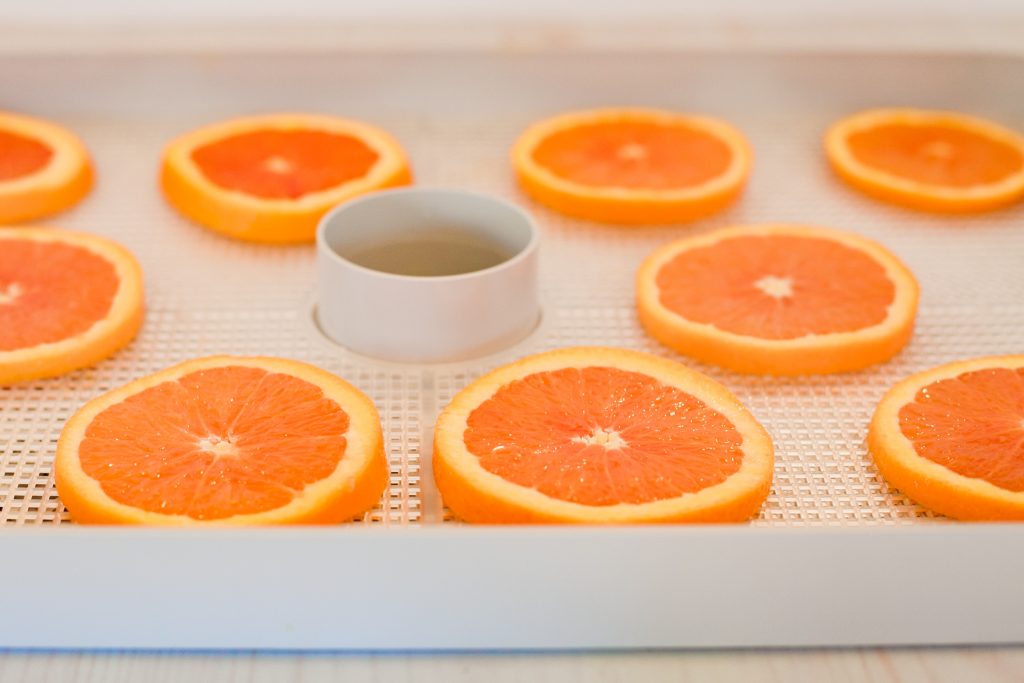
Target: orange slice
270	178
632	166
44	168
952	438
930	160
67	300
224	441
778	299
599	435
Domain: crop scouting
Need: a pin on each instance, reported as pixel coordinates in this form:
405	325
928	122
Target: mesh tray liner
457	116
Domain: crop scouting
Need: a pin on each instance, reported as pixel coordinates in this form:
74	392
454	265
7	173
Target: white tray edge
448	589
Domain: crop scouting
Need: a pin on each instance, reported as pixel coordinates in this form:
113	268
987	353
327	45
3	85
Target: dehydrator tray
835	557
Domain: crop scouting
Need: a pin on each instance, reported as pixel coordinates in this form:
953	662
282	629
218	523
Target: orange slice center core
936	155
602	436
21	155
634	155
777	286
610	440
218	446
10	293
51	291
972	424
216	443
284	164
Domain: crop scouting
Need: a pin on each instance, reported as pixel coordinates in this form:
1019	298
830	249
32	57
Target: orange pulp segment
284	164
777	286
224	440
271	178
936	155
67	300
930	160
979	419
634	155
44	168
599	435
50	291
952	438
632	166
778	299
640	452
21	155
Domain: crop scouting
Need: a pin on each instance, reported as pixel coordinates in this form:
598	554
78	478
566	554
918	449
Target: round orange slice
44	168
223	441
930	160
632	166
600	435
67	300
778	299
952	438
270	178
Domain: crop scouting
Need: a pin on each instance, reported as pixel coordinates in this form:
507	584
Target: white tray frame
513	588
457	588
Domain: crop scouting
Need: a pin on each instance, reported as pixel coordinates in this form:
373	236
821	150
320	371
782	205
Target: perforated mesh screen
458	116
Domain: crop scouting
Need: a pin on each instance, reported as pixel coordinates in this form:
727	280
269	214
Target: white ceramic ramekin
426	318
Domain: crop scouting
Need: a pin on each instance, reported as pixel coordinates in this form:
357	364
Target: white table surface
984	665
